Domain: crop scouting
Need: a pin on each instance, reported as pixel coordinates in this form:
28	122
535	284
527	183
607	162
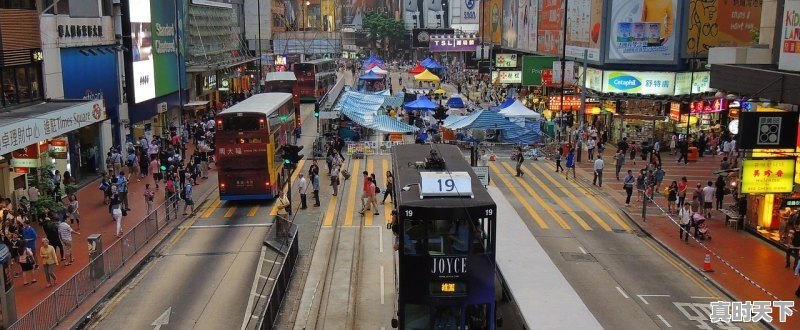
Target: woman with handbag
27	262
335	178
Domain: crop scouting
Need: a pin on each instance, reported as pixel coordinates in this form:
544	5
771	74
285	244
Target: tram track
341	274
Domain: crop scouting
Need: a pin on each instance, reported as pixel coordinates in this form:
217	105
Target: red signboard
571	102
708	106
675	111
29	152
21	170
547	77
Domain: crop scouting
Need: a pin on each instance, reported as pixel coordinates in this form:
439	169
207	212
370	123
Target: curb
87	317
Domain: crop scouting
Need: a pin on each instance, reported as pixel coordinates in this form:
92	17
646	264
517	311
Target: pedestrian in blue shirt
571	164
315	185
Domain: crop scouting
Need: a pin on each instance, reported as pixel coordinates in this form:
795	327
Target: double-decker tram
315	78
446	233
249	138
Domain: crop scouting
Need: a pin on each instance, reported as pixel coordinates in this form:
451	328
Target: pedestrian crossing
541	196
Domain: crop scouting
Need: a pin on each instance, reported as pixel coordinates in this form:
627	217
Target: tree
381	27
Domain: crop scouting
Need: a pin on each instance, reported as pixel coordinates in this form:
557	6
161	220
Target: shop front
771	198
61	133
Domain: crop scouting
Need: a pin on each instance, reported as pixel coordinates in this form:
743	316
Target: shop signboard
505	60
87	77
584	22
533	67
50	125
506	77
655	83
721	24
58	148
24	162
510	20
70	31
153	48
22	170
550	26
768	176
708	106
492	27
453	42
767	130
699	80
421	38
790	37
527	25
29	152
465	12
571	102
675	111
643	31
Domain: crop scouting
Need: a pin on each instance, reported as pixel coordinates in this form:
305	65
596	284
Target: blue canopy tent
422	103
503	105
372	59
432	65
363	110
486	119
370	76
455	101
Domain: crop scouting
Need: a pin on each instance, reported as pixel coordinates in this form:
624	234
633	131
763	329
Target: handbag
29	257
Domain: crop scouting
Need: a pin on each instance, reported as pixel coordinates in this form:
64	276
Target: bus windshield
241	123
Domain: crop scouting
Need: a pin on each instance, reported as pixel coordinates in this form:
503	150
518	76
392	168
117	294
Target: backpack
170	186
130	160
377	190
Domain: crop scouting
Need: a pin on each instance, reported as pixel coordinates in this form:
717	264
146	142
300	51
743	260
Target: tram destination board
444	184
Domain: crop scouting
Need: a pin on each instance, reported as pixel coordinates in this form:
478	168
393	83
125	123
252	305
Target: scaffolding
212	39
307	42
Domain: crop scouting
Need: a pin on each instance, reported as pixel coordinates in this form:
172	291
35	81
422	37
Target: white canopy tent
378	70
516	109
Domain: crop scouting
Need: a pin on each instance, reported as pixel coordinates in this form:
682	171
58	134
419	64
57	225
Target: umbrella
423	103
439	91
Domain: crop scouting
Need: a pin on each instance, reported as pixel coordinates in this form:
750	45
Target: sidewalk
745	266
95	219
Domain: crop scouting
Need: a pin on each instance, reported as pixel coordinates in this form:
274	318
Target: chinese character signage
50	125
708	106
505	60
790	37
643	31
571	102
655	83
767	176
454	43
506	77
767	130
699	80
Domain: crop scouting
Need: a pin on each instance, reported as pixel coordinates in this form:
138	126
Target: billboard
353	11
454	43
421	38
505	60
526	31
155	66
699	80
721	24
510	21
492	28
584	21
532	67
767	130
549	27
655	83
768	176
790	37
465	15
643	31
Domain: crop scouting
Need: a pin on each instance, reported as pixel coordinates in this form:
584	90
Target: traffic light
291	154
316	110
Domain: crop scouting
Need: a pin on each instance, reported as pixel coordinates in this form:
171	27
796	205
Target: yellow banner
766	176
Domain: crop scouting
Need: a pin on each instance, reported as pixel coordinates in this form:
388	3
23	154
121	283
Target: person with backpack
186	195
628	186
519	158
132	162
122	189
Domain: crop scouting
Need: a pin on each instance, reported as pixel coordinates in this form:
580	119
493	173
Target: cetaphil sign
50	125
655	83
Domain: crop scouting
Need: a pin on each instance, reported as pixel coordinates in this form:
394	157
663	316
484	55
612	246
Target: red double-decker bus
284	82
247	138
315	78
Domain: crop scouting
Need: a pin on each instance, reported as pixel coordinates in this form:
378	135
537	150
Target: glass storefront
21	84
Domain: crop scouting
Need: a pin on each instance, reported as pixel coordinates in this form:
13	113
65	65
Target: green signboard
532	67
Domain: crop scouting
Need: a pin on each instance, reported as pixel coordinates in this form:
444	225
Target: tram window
459	236
413	236
438	236
478	317
447	318
417	317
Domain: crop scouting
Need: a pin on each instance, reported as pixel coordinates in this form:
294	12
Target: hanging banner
584	21
507	77
59	148
721	24
505	60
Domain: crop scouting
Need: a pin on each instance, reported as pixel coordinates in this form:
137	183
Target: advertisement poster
153	49
699	80
532	67
584	21
643	31
510	22
721	24
790	37
144	83
465	12
767	176
526	11
654	83
492	25
353	10
549	25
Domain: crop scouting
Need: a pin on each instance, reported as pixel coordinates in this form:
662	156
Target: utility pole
563	73
258	44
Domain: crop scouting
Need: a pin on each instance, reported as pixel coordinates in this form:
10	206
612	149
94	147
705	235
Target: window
240	123
9	87
33	77
23	89
447	318
417	317
18	4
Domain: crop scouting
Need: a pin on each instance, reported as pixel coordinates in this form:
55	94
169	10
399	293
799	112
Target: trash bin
693	154
96	265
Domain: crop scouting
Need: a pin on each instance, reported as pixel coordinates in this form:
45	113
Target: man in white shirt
590	145
598	171
709	193
302	188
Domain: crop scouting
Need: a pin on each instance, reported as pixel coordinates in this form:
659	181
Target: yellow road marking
516	193
297	172
331	212
546	205
369	215
253	211
572	197
230	212
207	213
614	215
680	268
351	200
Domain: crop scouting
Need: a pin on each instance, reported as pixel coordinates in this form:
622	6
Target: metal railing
74	291
286	237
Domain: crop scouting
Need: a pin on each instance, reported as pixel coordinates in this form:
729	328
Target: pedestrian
50	228
590	145
116	214
72	210
302	188
484	158
365	193
559	154
659	177
65	234
313	169
335	179
628	186
720	191
27	262
683	147
131	162
709	192
632	148
315	186
683	186
571	164
155	170
672	196
389	188
619	159
149	197
188	206
792	248
519	158
640	186
598	171
370	195
48	256
685	215
29	237
698	194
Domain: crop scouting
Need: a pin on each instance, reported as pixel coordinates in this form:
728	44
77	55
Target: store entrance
85	151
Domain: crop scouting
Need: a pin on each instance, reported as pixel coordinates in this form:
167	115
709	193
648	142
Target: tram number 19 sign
445	184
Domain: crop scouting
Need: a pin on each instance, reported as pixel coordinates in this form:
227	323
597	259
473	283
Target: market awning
378	70
455	101
388	124
195	103
372	76
422	103
427	76
516	109
417	69
487	119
